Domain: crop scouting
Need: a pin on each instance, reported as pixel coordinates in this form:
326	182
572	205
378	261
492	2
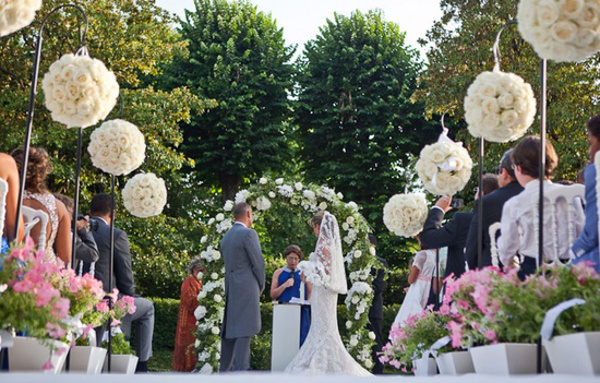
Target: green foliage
238	57
460	48
119	345
166	312
356	121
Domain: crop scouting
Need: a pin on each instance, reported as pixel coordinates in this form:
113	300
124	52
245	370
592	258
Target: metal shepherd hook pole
31	109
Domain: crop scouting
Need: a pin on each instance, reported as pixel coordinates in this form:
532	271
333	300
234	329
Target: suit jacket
244	282
376	310
122	274
492	212
586	246
453	235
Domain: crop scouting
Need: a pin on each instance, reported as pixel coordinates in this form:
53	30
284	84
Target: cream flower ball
405	214
145	195
117	147
17	14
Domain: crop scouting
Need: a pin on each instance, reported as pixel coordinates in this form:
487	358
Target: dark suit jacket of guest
492	212
122	273
378	270
453	235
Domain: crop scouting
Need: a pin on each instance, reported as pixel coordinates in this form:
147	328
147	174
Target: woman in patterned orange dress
184	357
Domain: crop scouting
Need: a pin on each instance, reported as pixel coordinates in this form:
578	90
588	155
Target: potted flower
409	346
123	359
574	347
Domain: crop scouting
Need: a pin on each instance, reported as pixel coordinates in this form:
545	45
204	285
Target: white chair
32	217
572	197
493	231
3	192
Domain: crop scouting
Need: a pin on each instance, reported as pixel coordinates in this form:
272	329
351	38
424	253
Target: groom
244	283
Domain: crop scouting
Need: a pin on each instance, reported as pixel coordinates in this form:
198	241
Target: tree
356	121
132	37
238	57
461	48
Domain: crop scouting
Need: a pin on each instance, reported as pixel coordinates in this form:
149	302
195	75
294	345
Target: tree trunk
230	185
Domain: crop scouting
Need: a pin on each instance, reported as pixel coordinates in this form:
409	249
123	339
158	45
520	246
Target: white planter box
28	354
425	367
577	354
121	364
87	359
505	359
455	363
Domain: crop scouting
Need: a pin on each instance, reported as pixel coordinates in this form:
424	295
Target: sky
301	19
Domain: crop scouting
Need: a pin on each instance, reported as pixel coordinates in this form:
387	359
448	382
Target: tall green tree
133	38
460	48
356	121
237	56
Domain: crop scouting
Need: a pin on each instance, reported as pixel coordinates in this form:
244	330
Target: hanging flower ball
17	14
561	30
117	147
144	195
80	90
499	106
405	214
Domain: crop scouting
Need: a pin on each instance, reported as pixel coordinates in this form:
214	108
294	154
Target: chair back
570	197
3	192
493	230
33	217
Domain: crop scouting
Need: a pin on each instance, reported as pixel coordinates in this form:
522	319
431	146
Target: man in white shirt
519	237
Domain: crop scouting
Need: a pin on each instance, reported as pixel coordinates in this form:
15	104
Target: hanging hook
122	105
496	47
76	7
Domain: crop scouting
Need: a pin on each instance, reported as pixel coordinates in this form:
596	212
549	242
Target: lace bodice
49	203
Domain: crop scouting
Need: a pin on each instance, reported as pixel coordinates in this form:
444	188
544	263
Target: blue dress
4	246
292	292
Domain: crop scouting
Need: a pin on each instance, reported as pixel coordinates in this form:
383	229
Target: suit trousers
374	325
235	354
143	318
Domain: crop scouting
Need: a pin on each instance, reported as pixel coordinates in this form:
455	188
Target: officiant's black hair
101	204
240	209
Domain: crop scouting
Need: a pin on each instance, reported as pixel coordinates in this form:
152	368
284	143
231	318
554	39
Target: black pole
436	306
112	257
480	204
542	168
31	108
76	199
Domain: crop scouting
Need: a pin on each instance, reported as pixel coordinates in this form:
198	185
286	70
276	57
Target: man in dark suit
244	283
376	310
122	278
492	212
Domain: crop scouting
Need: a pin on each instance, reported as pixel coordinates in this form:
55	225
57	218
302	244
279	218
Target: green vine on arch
280	197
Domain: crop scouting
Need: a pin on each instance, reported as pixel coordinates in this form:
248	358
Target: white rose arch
308	199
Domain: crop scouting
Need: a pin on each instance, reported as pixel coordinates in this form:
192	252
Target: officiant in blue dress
286	285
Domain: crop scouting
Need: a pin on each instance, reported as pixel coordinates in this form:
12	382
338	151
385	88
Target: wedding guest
585	247
10	173
286	284
378	271
37	196
419	279
492	213
244	284
85	244
122	279
184	356
518	238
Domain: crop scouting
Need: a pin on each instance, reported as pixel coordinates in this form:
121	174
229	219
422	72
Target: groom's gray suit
244	283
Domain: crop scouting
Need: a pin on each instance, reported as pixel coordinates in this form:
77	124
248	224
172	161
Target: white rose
279	181
217	298
228	205
196	343
353	342
509	118
573	8
203	239
211	221
350	220
323	205
263	181
488	89
506	100
348	325
490	106
220	217
214	276
340	196
215	330
272	195
202	294
355	299
564	31
589	16
200	275
368	363
200	312
298	186
371	335
357	254
345	226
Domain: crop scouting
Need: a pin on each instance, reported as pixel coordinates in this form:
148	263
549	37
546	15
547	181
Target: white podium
286	334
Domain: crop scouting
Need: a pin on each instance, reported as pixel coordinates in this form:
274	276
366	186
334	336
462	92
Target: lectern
286	334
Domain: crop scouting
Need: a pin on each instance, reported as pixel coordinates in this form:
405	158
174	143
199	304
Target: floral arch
265	196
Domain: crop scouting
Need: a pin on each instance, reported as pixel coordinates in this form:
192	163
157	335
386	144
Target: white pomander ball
144	195
117	147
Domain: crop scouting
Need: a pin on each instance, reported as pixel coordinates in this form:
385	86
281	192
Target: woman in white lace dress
37	196
323	351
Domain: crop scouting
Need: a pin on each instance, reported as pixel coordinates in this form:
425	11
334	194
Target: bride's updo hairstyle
317	219
38	168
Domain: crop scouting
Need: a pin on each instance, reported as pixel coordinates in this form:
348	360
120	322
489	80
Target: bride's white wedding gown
323	351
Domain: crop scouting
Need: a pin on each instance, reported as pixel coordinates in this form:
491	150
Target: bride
323	351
